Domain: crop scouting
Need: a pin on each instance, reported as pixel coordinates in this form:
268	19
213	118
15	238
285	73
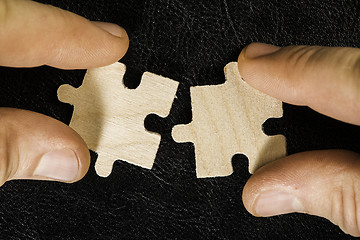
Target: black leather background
191	42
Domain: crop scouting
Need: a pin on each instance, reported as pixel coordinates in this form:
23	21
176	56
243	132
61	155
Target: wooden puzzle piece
110	117
227	119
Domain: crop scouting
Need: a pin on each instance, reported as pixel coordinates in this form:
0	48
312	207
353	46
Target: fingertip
247	58
273	189
248	199
83	156
112	28
121	39
114	47
73	141
65	165
121	45
42	148
255	50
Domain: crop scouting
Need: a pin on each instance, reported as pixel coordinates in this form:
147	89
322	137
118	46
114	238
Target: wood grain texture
110	117
227	119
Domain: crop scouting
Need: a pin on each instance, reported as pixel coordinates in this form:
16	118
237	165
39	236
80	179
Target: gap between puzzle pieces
228	119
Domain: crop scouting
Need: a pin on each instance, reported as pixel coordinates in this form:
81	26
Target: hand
34	146
323	183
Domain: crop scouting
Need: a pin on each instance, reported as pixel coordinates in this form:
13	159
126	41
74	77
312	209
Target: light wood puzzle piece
110	117
227	119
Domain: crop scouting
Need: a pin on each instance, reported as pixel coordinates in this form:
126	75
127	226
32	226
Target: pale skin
324	183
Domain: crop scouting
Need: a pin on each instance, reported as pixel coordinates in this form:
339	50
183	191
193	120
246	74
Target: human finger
35	146
34	34
327	79
325	183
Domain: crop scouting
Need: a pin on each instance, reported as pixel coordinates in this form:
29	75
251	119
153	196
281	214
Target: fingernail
111	28
276	203
259	49
60	165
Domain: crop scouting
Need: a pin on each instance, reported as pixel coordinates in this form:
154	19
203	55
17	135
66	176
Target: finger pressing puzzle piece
227	119
110	117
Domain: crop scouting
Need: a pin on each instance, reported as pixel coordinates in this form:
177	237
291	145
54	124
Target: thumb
322	183
34	146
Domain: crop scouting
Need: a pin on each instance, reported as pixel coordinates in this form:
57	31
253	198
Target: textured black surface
191	42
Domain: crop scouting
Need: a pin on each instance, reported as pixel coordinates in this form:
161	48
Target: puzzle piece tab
227	119
110	117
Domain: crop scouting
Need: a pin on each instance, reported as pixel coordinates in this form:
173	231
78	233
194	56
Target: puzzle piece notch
110	117
227	119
